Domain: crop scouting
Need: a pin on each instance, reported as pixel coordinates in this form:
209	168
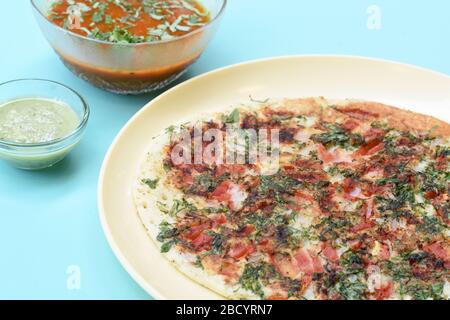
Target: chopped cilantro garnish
430	226
168	235
151	183
336	136
255	275
233	117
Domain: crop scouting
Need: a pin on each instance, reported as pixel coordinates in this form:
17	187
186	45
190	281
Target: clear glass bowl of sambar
128	68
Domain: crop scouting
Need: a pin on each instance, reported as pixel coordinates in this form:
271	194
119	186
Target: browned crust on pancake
308	106
400	119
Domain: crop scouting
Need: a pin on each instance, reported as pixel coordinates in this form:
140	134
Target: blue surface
49	220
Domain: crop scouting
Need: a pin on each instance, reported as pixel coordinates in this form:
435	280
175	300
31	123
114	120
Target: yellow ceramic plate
336	77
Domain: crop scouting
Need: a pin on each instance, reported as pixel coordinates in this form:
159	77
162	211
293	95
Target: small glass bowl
128	68
34	156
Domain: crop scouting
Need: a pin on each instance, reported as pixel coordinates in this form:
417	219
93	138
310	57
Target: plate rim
129	268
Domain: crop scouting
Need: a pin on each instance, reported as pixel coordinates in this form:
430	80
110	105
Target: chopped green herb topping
336	136
151	183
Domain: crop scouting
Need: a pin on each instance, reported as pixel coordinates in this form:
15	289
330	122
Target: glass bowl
128	68
33	156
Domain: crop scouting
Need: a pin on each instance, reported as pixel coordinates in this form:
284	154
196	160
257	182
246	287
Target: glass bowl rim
187	35
74	132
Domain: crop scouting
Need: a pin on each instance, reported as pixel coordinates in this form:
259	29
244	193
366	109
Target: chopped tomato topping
202	241
302	199
278	296
275	112
384	253
324	155
373	133
369	206
355	244
384	292
259	204
358	113
371	189
352	190
370	148
329	252
212	262
307	262
350	124
364	225
219	265
247	230
430	195
337	156
306	281
194	232
349	185
230	168
231	194
439	251
221	192
286	265
303	195
188	179
219	220
240	250
375	149
229	269
266	246
444	215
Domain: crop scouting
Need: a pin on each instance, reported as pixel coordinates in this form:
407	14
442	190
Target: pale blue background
49	220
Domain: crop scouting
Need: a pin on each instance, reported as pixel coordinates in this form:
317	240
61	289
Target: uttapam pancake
358	207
